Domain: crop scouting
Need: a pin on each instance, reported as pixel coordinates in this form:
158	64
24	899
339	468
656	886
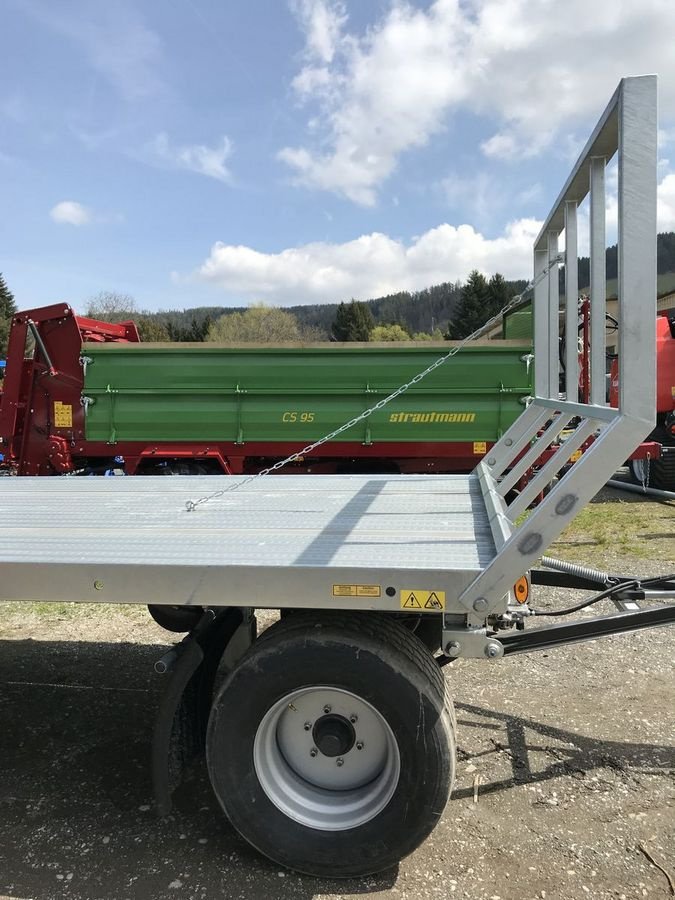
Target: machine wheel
176	618
659	473
331	745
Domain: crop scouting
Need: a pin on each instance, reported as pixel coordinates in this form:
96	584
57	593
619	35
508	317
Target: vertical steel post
571	303
598	280
553	317
541	326
637	248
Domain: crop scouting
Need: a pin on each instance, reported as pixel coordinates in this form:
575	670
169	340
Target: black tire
177	619
658	473
382	663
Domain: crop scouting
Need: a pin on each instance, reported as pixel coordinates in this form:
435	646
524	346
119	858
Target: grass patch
636	527
60	611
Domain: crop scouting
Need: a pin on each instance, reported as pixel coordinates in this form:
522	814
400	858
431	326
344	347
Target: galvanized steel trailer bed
330	744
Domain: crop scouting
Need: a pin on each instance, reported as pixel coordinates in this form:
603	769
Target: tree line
451	310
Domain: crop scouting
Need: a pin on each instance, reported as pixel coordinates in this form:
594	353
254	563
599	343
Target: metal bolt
307	726
353	719
339	761
313	751
453	649
480	604
359	745
327	709
98	585
492	651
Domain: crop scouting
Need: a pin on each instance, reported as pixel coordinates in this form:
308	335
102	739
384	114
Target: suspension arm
587	629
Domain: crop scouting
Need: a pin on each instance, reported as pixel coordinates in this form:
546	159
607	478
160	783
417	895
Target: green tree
259	324
7	310
499	294
151	329
109	306
353	322
473	309
436	335
389	333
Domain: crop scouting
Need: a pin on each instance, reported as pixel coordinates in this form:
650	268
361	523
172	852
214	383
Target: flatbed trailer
330	739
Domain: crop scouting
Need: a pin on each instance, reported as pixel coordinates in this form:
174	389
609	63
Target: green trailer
241	406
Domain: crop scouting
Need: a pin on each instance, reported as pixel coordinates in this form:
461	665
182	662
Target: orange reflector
521	590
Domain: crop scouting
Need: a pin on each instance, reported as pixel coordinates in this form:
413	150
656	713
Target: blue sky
195	152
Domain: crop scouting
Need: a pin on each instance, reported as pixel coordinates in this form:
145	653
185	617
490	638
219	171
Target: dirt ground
570	754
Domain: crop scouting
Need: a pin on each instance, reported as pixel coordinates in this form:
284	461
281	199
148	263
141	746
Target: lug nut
353	718
359	745
307	726
313	751
327	709
339	761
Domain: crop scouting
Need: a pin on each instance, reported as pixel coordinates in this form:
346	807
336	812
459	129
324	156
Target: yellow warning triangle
433	602
412	602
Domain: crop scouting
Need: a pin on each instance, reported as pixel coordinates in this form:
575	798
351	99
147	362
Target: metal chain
191	505
645	473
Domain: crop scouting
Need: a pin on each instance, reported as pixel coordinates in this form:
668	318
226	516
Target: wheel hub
326	758
333	735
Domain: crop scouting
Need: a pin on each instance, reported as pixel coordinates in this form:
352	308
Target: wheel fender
182	717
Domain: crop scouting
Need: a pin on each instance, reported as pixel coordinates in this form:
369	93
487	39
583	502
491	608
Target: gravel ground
570	754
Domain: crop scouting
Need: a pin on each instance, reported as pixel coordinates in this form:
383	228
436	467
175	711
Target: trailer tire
304	791
655	473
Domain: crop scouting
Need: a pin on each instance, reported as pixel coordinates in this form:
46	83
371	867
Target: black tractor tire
366	659
178	619
659	473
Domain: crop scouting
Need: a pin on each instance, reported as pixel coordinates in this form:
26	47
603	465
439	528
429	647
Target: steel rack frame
627	129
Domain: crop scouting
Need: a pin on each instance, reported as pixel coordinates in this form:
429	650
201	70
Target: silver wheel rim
326	758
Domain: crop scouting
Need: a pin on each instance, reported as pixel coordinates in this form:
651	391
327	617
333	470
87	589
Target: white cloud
322	22
69	212
382	94
113	38
370	266
666	204
209	161
374	265
395	86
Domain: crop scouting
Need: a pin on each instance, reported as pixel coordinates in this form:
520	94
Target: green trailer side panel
208	392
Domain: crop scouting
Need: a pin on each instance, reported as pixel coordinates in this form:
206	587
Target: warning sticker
480	448
423	601
356	590
63	415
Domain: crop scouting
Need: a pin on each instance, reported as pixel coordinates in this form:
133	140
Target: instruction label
357	590
63	415
423	601
480	448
